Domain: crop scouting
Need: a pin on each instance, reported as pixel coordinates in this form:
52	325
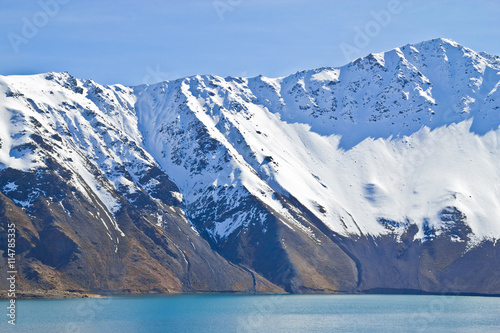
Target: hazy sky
133	42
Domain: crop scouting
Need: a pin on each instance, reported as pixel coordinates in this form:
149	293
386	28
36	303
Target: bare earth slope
378	176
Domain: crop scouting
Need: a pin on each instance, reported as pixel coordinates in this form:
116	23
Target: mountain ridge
293	180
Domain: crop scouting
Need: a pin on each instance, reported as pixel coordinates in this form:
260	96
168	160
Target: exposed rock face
380	175
62	244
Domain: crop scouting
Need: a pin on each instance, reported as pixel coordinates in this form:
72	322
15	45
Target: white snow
177	195
399	138
9	187
327	75
347	153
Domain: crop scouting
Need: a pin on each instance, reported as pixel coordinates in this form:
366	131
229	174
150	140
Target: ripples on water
275	313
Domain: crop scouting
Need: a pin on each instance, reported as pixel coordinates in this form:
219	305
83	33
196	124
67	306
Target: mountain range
378	176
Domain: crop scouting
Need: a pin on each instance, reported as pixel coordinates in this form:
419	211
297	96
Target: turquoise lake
269	313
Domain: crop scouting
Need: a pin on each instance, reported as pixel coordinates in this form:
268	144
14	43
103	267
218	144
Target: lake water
274	313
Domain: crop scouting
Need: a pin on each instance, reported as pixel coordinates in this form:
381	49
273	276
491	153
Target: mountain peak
392	159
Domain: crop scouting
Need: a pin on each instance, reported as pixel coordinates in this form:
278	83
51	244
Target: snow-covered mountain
381	174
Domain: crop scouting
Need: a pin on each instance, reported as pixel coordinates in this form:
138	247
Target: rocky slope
93	210
376	176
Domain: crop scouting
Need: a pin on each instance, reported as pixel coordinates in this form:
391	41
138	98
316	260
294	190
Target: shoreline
61	294
48	294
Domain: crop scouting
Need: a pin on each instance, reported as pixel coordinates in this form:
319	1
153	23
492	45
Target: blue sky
134	42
